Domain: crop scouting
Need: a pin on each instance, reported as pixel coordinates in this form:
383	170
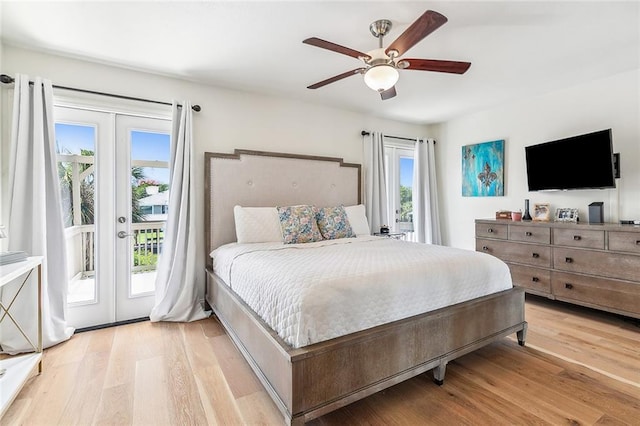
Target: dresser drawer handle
577	238
535	279
568	260
485	248
490	230
638	242
528	234
536	255
568	286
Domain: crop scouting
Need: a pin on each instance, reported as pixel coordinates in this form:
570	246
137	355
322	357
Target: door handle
123	234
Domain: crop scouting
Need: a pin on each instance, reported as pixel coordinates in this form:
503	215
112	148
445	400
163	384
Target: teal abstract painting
483	169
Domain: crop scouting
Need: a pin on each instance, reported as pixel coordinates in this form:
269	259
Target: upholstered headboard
265	179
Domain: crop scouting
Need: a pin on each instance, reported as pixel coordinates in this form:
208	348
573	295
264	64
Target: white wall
608	103
229	119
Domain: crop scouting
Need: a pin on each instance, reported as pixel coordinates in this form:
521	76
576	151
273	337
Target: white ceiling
517	48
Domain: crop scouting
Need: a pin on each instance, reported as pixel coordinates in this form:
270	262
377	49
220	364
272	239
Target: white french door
114	179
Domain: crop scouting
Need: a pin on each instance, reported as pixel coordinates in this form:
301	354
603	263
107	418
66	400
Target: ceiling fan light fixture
381	77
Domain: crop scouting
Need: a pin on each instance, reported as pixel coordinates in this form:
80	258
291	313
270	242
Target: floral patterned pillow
298	224
334	223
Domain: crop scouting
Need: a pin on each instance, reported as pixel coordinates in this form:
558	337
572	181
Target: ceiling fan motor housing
379	57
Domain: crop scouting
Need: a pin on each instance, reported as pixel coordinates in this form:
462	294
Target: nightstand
394	235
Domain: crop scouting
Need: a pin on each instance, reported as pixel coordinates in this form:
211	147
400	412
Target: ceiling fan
381	65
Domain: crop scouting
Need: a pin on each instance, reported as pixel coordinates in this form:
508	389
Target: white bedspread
313	292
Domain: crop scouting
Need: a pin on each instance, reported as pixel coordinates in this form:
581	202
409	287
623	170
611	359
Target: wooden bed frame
308	382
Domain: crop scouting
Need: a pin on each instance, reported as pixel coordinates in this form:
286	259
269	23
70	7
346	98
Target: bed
306	370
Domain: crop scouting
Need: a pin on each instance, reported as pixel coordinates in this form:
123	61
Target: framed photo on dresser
566	215
541	212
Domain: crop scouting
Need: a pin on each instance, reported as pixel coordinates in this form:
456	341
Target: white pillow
358	220
257	224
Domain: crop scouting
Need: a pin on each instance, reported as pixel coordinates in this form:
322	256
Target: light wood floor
579	367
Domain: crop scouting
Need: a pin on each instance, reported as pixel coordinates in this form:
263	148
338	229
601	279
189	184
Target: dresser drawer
604	264
492	230
531	278
624	241
576	237
530	234
529	254
621	297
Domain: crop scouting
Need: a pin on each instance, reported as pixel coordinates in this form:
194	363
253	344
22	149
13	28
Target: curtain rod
7	79
365	133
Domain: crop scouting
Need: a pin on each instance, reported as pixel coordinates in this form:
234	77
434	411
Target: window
399	165
75	147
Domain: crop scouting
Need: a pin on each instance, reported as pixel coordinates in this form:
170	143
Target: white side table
18	368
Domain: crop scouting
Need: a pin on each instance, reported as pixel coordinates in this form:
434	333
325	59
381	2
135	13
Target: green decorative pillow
334	223
298	224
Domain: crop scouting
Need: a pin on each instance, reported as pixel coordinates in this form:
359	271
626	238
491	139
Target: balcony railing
147	239
146	245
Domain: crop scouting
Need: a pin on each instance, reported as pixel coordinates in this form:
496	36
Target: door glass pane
405	220
149	206
75	148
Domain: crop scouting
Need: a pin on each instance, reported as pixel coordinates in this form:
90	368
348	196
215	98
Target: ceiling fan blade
388	94
314	41
453	67
335	78
422	27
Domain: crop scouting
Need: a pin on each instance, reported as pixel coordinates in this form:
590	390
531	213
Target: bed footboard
308	382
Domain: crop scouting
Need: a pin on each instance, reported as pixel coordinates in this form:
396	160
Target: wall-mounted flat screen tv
579	162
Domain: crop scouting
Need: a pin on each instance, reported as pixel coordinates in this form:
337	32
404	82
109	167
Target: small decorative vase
526	215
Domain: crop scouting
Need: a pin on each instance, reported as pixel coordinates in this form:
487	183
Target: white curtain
375	198
35	216
177	291
426	220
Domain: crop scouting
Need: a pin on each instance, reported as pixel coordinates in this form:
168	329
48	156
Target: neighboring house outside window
155	207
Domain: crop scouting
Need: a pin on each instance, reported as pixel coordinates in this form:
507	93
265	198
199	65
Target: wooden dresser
592	265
